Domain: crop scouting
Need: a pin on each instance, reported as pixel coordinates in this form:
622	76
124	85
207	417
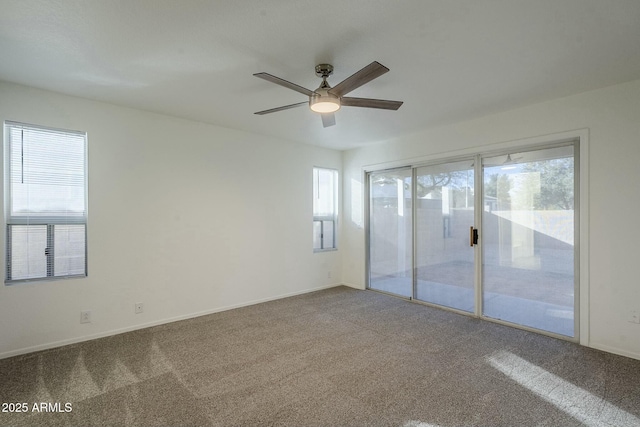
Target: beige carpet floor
338	357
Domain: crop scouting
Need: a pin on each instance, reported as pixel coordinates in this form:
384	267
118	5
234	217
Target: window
45	202
325	208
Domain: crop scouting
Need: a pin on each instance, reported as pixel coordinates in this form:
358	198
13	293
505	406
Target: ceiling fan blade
370	103
277	80
368	73
286	107
328	119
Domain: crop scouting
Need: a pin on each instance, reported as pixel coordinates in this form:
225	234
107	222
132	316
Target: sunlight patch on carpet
591	410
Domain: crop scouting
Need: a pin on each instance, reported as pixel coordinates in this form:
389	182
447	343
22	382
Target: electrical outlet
634	316
139	308
85	316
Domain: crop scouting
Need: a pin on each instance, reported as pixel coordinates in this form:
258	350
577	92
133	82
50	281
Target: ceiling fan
326	99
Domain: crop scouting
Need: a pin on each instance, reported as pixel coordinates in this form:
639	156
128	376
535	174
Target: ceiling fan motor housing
321	101
324	70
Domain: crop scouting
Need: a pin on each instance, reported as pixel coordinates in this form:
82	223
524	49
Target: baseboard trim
615	350
351	285
109	333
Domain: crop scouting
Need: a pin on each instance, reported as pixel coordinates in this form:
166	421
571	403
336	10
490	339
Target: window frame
50	221
332	217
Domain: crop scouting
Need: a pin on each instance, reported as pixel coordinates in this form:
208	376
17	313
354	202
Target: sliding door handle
473	236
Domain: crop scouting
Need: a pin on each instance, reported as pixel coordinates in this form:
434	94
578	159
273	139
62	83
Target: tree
496	189
428	183
556	183
425	183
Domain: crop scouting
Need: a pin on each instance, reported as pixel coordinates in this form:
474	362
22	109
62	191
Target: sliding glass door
513	259
444	213
390	232
528	239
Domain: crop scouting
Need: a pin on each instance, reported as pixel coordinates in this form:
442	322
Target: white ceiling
450	60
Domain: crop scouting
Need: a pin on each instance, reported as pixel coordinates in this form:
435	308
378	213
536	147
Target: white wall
185	217
190	218
612	116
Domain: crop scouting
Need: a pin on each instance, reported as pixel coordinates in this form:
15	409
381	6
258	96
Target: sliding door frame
580	139
477	201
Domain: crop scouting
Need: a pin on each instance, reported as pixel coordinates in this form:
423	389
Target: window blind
46	199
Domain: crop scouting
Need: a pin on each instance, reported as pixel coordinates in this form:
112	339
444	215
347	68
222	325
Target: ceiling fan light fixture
324	104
